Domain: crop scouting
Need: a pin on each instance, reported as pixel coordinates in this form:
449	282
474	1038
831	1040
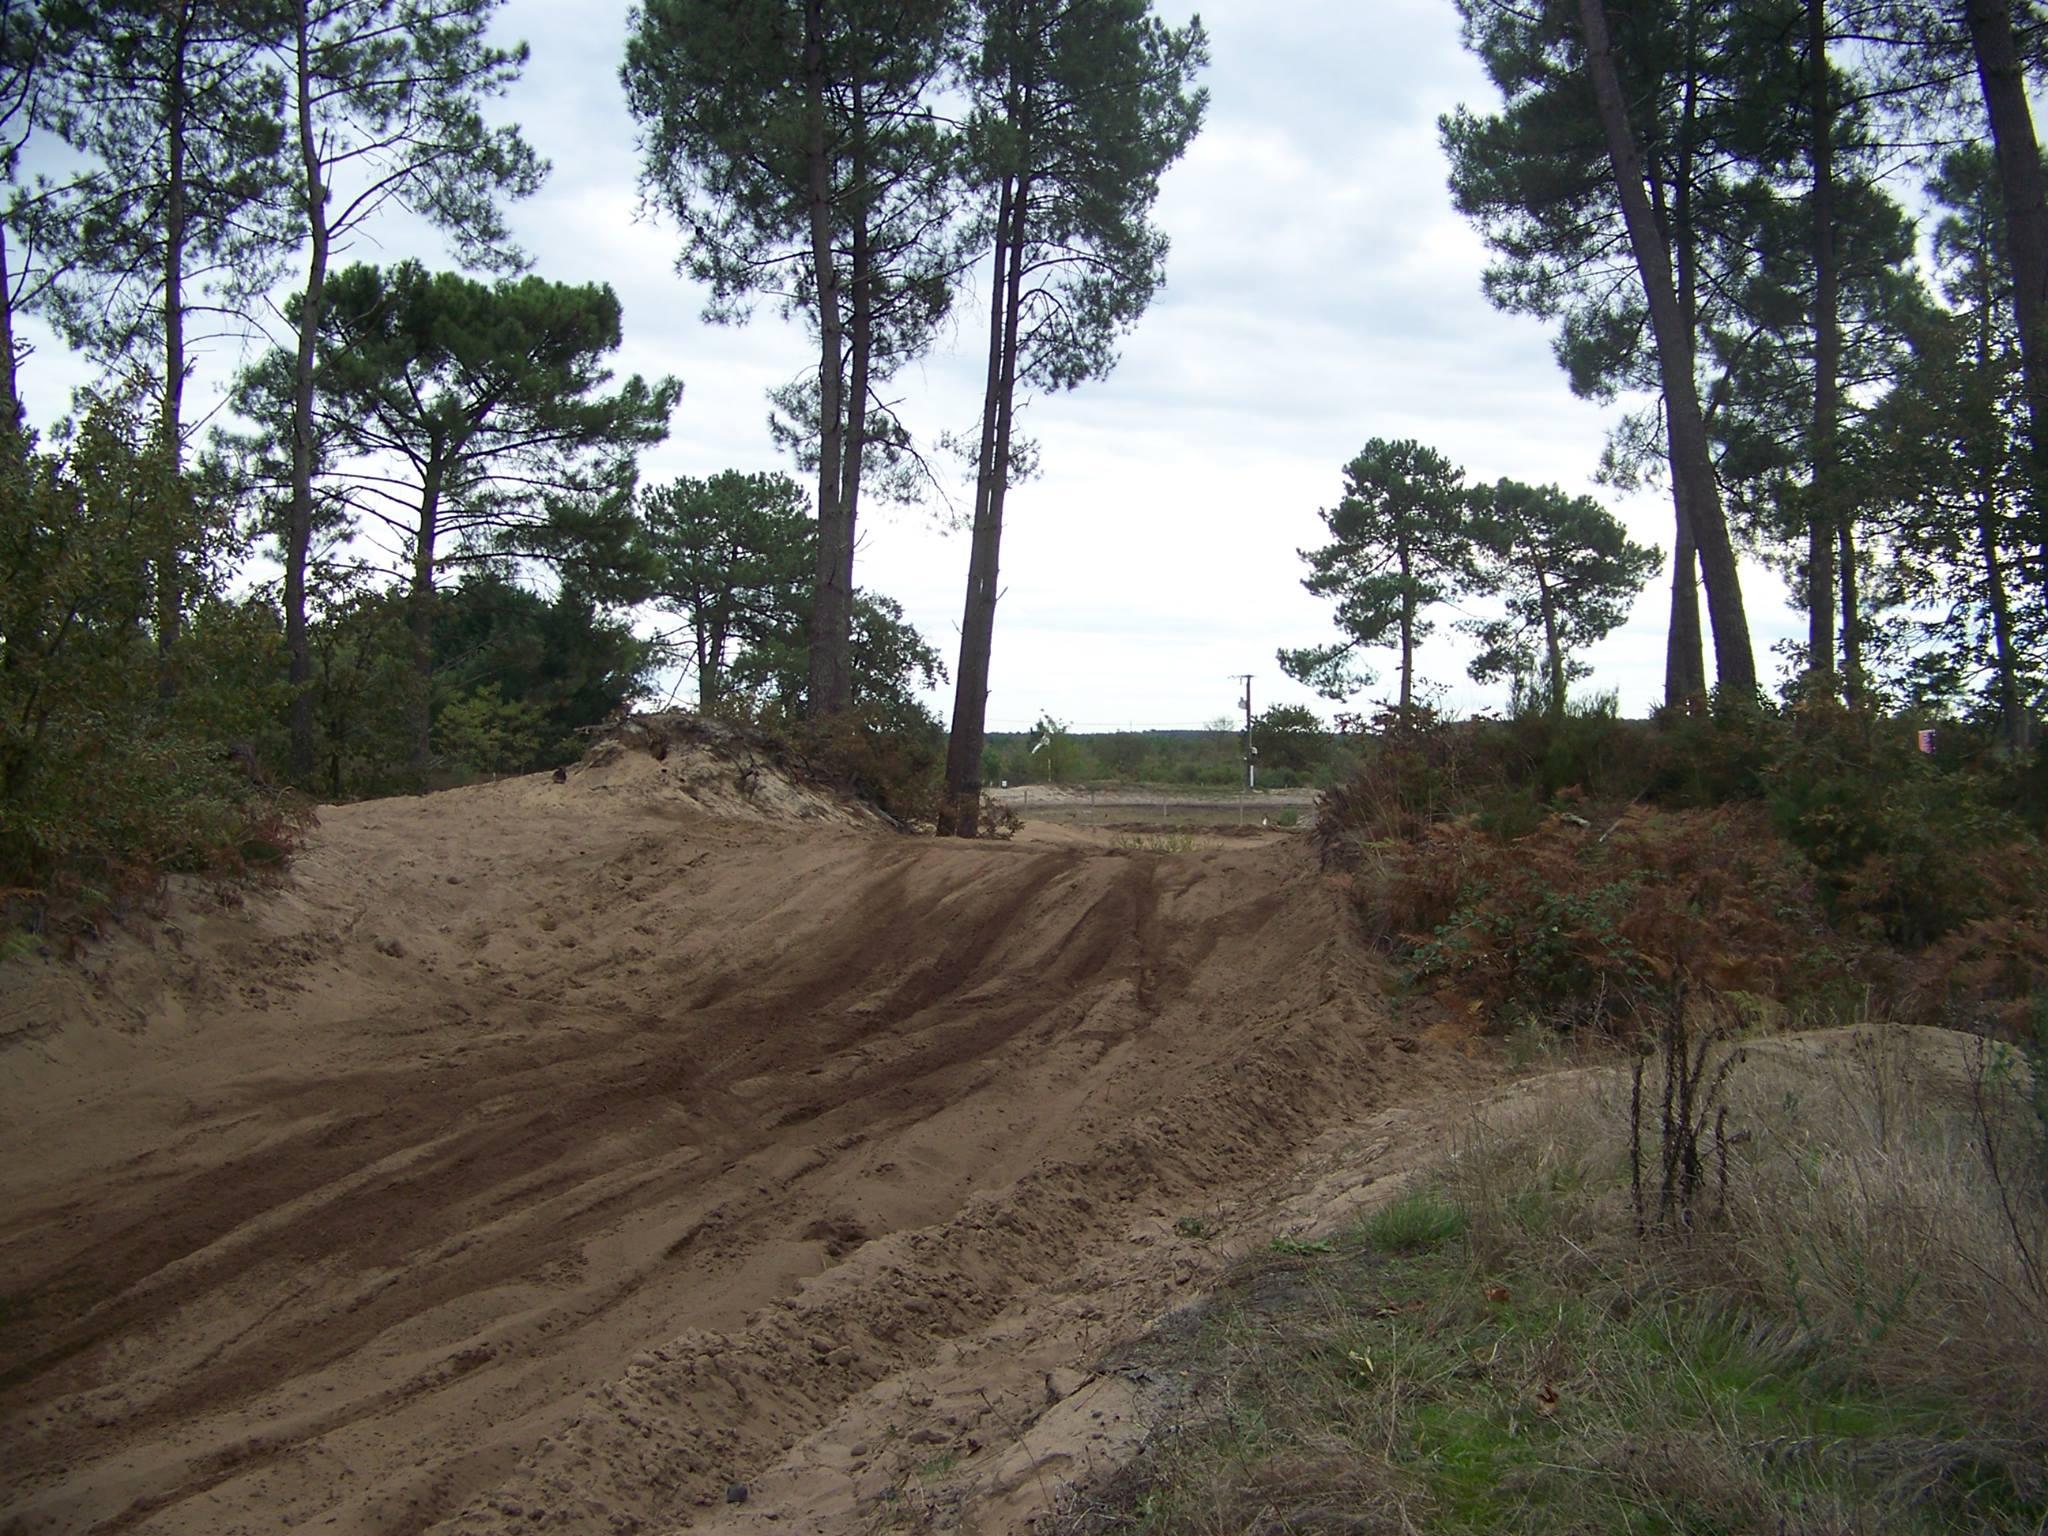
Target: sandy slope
554	1156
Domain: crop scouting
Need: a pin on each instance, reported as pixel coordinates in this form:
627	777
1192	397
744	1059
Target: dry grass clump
1852	1337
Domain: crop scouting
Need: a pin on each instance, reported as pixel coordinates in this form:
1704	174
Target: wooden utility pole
1251	771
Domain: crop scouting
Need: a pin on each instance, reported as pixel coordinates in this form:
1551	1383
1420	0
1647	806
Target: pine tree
384	100
734	554
471	420
1567	572
168	232
799	148
1613	222
1080	106
1401	541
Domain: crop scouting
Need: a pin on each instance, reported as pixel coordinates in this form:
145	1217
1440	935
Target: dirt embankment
558	1156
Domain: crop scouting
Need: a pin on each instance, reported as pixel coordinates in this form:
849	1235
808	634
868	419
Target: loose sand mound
556	1156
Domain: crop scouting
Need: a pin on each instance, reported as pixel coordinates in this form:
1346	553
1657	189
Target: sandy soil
656	1150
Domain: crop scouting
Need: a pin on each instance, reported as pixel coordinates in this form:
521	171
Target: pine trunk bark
2012	713
2025	196
298	532
1691	462
1685	664
419	603
854	454
1685	660
1407	636
170	559
1853	692
1553	648
962	811
831	606
10	384
1825	505
710	657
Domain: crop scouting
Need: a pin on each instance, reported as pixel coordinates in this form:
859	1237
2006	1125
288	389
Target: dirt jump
672	1147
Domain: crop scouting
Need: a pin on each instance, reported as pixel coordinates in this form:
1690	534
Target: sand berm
673	1147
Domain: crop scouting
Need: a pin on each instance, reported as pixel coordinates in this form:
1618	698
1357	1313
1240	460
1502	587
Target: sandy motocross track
578	1157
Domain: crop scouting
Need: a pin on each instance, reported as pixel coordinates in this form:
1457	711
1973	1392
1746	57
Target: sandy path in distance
553	1156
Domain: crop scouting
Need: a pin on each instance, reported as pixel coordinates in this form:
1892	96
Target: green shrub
1415	1222
483	733
897	768
1900	842
125	740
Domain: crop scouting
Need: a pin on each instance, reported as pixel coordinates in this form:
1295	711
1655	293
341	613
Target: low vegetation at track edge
1845	1330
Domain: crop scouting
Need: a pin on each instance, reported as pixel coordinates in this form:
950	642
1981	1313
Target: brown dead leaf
1497	1294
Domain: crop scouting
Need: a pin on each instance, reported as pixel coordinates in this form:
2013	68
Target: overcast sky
1321	291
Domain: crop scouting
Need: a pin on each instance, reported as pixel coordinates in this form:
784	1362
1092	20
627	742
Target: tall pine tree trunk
1685	660
862	339
1852	614
170	559
1692	465
710	652
1407	634
419	603
298	531
1685	666
978	620
1825	504
10	385
831	603
1553	647
2025	195
2012	713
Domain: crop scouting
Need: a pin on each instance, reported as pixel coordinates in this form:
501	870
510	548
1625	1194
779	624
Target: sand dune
568	1157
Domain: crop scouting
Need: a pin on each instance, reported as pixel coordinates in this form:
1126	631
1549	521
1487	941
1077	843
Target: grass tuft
1415	1222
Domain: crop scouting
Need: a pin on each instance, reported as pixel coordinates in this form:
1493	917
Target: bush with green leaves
118	735
1907	847
481	733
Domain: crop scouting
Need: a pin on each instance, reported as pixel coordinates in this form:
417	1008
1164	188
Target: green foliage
481	733
892	761
1538	948
892	667
566	659
1502	1349
1290	739
1051	748
723	95
121	82
394	89
494	395
364	694
1946	463
1569	870
103	780
1079	108
1568	573
1415	1222
471	420
734	553
1906	850
801	152
1400	543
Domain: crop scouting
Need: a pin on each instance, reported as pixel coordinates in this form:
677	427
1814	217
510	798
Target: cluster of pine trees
853	162
1813	233
416	444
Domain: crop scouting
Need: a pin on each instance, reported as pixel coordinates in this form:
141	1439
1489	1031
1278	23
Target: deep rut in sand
558	1155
